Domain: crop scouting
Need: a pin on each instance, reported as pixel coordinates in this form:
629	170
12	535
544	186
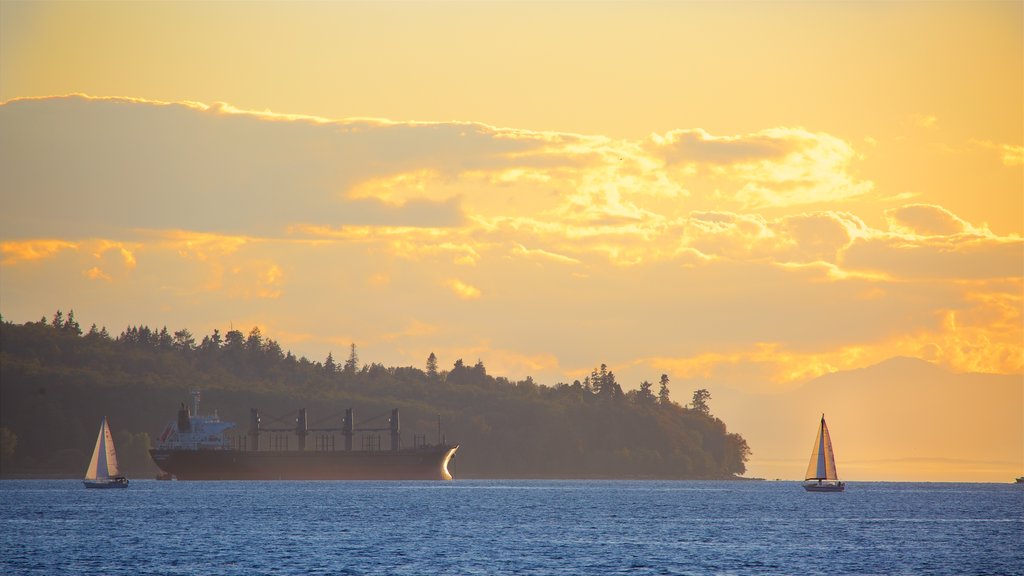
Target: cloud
926	220
924	120
499	361
414	329
963	257
541	254
688	251
29	250
699	147
772	167
1011	155
128	164
95	273
463	290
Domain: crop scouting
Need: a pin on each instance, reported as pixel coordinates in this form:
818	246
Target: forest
57	381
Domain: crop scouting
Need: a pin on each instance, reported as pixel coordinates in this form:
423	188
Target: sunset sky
744	196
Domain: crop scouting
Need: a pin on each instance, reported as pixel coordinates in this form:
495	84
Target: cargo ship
198	447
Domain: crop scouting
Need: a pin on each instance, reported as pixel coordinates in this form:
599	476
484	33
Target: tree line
57	380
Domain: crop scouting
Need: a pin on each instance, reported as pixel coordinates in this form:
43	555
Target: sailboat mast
822	472
101	450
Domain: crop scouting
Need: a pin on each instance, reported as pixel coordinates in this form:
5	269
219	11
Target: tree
183	340
432	367
70	325
352	364
272	350
700	401
211	342
164	339
645	396
663	390
234	341
254	343
329	366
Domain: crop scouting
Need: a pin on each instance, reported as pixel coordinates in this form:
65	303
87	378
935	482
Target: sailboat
821	471
103	471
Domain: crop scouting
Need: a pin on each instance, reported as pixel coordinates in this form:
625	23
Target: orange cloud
926	220
772	167
95	273
15	251
463	290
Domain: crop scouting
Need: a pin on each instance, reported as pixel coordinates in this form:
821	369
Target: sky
745	196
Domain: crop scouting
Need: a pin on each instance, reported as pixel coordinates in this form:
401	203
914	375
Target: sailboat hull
834	487
109	483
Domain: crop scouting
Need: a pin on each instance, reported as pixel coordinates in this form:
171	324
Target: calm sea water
509	527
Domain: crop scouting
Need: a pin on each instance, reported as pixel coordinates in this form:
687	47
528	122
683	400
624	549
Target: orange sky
745	196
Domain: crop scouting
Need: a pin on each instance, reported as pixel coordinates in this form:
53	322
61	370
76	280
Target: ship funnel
184	422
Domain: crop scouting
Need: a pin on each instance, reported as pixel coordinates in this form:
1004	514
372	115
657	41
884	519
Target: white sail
823	462
103	463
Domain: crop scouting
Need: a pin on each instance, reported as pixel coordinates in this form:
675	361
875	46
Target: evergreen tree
700	401
183	340
352	364
663	390
645	396
71	326
234	341
329	366
254	343
432	367
164	340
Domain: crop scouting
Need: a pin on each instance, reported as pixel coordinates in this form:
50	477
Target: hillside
56	383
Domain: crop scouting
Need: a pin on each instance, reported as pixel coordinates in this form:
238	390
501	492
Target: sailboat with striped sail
821	470
103	471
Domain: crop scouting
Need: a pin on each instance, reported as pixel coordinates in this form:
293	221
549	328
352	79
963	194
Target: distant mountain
903	418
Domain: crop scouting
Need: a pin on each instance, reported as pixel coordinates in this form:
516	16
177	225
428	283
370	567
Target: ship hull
413	464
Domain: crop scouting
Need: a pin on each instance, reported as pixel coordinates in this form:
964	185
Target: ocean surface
509	527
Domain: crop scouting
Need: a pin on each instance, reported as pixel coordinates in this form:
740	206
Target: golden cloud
202	246
463	290
772	167
926	220
95	273
1011	155
498	361
415	329
16	251
538	253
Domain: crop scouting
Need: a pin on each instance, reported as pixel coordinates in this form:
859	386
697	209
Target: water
509	527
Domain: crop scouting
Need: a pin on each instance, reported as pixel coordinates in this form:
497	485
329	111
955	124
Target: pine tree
700	401
329	366
352	364
663	390
70	325
432	367
645	396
